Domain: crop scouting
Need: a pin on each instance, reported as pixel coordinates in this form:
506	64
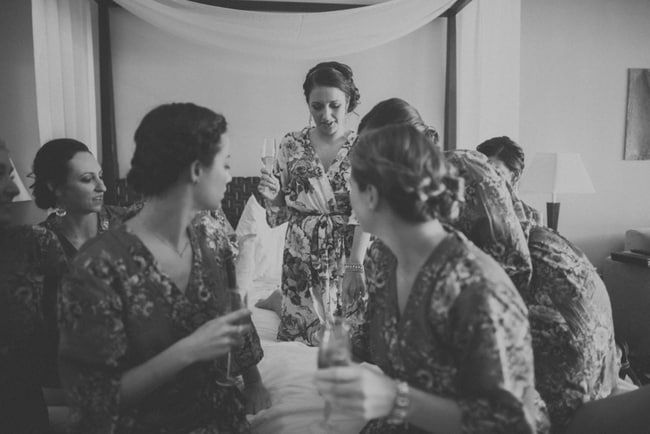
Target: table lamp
556	173
23	195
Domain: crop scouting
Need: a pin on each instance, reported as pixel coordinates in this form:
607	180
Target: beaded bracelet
354	267
400	407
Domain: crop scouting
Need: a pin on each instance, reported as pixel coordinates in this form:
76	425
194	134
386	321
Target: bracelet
401	405
354	267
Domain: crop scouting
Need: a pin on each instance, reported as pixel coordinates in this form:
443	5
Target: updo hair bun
50	169
408	170
333	74
168	140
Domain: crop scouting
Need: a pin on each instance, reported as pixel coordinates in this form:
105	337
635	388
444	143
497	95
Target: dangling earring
310	121
60	211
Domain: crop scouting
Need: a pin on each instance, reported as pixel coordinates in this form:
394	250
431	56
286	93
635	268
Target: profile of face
360	202
8	189
215	178
83	190
328	107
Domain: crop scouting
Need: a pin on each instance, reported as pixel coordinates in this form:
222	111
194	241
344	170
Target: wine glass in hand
237	301
334	350
269	149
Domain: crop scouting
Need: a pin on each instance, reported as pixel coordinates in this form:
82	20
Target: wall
574	61
18	118
259	98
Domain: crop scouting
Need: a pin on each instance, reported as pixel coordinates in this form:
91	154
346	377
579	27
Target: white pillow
260	246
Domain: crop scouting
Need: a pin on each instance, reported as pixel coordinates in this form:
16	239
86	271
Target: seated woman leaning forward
145	316
443	321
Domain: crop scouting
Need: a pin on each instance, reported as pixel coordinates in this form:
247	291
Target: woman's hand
257	396
358	390
216	337
269	185
353	288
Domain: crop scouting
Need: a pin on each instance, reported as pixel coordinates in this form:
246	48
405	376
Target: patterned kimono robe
463	335
119	310
31	265
319	232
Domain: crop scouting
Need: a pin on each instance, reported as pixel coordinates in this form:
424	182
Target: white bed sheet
288	370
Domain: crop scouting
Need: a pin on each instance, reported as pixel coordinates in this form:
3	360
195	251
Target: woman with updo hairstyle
150	310
443	322
309	189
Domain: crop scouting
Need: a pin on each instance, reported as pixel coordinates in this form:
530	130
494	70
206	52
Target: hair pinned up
333	74
409	172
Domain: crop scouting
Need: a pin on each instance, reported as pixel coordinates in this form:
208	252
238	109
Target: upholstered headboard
237	194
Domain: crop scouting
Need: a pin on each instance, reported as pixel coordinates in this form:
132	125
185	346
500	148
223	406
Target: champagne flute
334	350
269	149
237	300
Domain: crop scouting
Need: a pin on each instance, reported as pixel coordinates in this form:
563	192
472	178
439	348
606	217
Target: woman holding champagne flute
443	321
309	188
146	319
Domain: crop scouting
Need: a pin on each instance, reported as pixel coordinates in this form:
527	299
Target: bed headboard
237	194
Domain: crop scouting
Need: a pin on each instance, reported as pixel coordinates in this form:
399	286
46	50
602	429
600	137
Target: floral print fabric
31	265
488	218
118	310
573	331
463	335
319	232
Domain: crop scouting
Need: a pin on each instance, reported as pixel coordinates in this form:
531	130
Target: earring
310	120
60	212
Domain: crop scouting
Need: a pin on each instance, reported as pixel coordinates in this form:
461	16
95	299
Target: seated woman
443	321
569	309
145	314
30	258
507	156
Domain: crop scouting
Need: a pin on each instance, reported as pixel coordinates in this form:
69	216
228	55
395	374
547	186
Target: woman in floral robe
146	322
30	261
443	321
310	190
569	309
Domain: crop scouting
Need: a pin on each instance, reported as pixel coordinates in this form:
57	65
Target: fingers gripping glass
237	300
269	151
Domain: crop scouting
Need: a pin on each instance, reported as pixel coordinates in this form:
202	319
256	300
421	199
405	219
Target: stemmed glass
237	300
269	149
334	348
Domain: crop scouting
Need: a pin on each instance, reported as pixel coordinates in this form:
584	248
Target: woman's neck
167	217
333	139
412	243
79	228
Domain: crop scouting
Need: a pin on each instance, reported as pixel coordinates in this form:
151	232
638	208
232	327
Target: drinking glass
334	350
237	300
269	148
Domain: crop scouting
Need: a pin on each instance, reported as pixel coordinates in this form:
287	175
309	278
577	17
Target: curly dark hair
408	171
50	169
506	150
168	140
333	74
396	111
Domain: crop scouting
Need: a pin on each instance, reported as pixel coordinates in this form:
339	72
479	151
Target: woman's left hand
358	390
257	396
353	288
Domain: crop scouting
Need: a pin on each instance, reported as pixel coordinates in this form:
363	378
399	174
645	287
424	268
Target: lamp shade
556	172
23	195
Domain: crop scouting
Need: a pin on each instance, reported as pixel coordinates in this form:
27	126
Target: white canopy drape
65	70
289	35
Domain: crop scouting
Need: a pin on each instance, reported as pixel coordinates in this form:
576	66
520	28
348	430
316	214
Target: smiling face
328	106
215	178
8	189
83	191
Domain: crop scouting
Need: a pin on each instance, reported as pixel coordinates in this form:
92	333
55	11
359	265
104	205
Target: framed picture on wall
637	122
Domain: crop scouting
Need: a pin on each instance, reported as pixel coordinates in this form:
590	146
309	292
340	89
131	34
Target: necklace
165	241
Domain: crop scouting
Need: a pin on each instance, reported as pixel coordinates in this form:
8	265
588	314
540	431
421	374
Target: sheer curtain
289	35
489	34
65	73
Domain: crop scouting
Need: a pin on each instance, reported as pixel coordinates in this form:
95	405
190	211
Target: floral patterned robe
118	310
569	309
31	264
463	335
319	232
